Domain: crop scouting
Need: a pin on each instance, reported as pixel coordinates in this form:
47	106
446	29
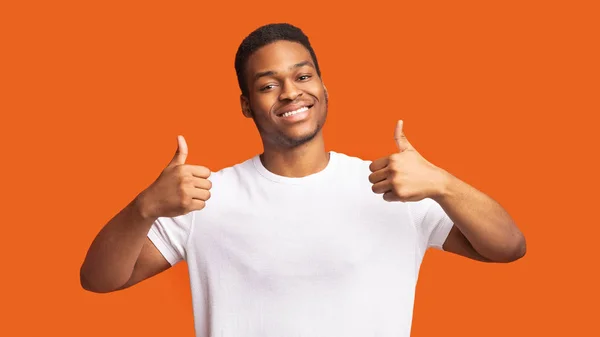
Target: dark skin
281	77
482	229
282	73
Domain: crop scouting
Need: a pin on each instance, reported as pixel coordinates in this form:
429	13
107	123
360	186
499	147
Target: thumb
400	138
181	153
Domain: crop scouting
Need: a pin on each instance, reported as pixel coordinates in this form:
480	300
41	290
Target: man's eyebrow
302	64
272	73
264	73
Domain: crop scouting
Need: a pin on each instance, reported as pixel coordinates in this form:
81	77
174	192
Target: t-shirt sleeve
170	236
431	221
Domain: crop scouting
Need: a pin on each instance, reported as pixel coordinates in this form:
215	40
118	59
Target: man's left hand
406	175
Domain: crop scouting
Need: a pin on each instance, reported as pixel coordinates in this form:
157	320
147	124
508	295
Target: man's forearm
112	255
485	224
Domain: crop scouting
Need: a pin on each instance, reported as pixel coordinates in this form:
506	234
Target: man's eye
267	87
304	77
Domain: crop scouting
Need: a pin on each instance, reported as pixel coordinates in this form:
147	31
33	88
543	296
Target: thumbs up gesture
405	175
180	188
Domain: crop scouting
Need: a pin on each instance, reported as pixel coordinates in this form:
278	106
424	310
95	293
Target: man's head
278	72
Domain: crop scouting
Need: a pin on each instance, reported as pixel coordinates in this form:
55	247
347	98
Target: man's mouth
294	112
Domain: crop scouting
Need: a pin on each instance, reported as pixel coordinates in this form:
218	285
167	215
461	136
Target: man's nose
290	91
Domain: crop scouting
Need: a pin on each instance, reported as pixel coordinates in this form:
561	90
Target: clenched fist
405	175
180	188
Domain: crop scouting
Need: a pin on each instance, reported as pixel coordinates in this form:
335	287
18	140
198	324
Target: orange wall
503	95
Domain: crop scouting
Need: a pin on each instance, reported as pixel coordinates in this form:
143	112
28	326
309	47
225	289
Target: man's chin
298	139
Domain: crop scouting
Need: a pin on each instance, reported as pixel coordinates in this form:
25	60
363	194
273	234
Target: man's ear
245	104
326	93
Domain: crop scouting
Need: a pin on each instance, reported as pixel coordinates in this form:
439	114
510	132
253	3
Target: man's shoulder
242	166
348	161
350	158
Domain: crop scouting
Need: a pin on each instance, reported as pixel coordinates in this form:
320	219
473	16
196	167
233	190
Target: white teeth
287	114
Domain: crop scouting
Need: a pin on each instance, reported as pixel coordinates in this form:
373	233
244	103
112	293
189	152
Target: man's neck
297	162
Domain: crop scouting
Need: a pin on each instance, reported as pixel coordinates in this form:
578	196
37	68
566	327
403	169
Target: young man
297	241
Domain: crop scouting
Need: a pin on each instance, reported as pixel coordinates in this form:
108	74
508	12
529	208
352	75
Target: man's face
286	97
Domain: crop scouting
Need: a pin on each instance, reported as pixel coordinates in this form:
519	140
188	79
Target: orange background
504	95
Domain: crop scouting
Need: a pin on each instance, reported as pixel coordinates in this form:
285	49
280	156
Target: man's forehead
279	56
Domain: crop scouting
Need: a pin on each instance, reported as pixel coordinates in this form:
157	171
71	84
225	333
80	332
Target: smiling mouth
297	111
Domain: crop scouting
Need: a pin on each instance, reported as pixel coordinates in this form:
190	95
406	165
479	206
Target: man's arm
122	255
482	230
150	262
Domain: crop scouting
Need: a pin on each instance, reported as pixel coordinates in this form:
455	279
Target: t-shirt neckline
317	176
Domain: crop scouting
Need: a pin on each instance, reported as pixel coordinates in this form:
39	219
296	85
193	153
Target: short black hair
263	36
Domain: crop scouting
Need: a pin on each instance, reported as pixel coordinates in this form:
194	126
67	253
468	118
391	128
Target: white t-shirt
318	256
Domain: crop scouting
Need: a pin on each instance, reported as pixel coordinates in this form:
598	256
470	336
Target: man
297	241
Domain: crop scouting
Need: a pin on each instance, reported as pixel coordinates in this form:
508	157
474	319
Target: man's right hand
180	188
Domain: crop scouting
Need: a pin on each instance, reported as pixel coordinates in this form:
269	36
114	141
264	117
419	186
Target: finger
197	204
391	196
199	194
382	187
204	184
181	153
400	138
378	176
378	164
199	171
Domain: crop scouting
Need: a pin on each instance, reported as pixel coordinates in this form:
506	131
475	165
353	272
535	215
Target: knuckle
398	190
185	202
402	194
179	169
394	166
183	196
179	180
